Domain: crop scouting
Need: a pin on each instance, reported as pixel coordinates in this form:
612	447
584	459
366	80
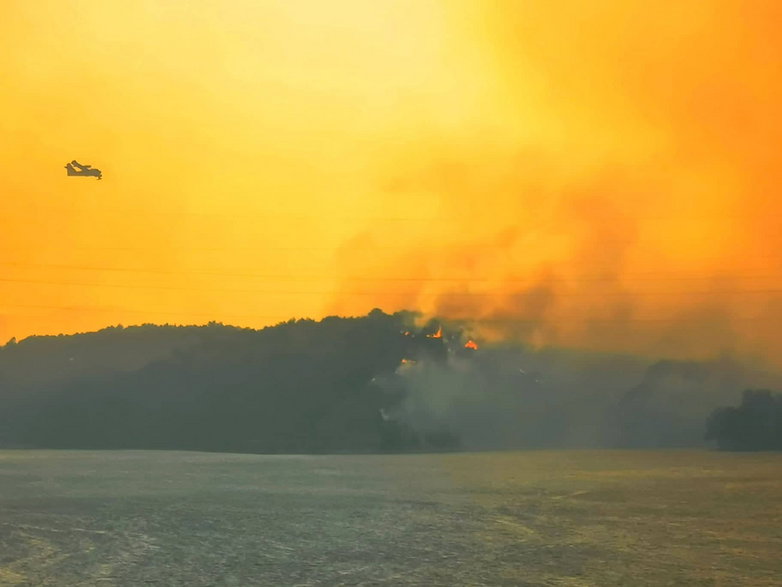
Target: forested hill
298	386
365	384
44	360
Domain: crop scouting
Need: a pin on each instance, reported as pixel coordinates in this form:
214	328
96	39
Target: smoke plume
612	187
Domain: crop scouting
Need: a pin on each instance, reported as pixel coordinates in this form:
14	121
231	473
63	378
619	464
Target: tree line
375	383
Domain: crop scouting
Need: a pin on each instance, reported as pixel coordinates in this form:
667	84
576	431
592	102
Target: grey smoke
519	397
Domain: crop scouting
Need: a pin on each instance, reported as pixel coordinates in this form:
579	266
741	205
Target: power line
505	321
385	292
467	279
249	213
147	312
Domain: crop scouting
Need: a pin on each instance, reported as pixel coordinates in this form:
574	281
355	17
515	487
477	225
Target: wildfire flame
471	344
438	334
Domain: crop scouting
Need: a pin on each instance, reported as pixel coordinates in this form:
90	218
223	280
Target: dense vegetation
302	386
374	383
756	424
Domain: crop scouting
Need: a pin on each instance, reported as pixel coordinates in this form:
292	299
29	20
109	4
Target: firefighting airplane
83	170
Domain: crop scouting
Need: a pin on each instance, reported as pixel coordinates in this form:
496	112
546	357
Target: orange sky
600	174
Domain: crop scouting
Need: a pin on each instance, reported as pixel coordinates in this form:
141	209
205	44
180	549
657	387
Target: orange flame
438	334
471	344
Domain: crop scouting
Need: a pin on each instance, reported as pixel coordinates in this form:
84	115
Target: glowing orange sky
601	174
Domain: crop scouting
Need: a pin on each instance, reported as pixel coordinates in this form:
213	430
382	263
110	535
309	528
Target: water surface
523	518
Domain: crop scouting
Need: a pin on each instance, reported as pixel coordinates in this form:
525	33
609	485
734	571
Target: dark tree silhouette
301	386
756	424
375	383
